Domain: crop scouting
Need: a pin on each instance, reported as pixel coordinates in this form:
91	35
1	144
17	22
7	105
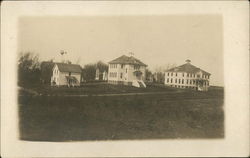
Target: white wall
181	77
127	76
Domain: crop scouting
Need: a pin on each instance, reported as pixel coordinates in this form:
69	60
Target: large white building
127	70
187	76
66	74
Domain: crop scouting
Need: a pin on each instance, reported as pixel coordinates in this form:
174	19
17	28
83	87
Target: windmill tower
63	54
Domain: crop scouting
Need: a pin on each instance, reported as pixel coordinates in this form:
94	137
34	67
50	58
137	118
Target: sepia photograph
120	77
124	79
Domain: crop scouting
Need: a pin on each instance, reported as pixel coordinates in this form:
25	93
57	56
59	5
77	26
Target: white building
187	76
128	71
66	74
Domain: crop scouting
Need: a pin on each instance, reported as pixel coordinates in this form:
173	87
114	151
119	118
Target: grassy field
175	114
98	88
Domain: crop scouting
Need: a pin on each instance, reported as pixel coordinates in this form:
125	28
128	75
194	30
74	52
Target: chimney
131	54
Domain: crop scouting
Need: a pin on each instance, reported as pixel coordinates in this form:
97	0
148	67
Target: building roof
189	68
127	60
63	67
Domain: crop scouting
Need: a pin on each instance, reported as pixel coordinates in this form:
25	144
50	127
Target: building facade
66	74
187	76
128	71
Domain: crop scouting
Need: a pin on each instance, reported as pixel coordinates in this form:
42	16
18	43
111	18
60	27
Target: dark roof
63	67
189	68
127	60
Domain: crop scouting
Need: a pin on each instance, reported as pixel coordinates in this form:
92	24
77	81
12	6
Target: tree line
33	71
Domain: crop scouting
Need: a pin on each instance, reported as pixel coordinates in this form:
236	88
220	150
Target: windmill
62	52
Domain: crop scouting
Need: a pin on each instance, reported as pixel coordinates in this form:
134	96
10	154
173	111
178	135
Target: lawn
175	114
98	88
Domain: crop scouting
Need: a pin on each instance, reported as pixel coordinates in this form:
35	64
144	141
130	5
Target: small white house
66	74
187	76
127	70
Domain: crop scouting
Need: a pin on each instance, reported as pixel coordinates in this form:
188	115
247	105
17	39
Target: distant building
187	76
158	77
66	74
128	71
101	75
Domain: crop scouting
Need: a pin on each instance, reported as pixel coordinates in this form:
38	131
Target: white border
236	67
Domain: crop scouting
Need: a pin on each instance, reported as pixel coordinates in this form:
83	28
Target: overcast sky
155	40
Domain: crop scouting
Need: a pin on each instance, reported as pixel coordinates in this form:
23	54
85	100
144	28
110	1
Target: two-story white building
187	76
66	74
127	70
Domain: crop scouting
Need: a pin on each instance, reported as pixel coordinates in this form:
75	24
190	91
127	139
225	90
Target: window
167	80
168	73
190	82
188	75
121	75
179	81
182	74
187	81
172	74
171	80
176	74
122	66
175	80
198	76
193	81
182	81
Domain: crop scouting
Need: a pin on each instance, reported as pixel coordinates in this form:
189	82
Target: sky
155	40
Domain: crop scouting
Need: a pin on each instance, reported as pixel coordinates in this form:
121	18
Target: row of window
178	86
136	67
188	75
113	65
181	81
113	74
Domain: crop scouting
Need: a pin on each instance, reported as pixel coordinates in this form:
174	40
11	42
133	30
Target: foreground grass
185	114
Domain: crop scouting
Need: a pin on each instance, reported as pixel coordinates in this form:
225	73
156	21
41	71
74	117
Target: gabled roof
189	68
127	60
63	67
